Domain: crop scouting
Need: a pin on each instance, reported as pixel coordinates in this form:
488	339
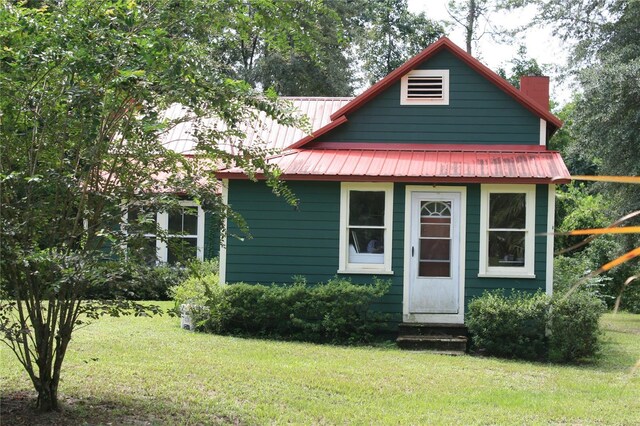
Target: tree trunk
471	22
48	396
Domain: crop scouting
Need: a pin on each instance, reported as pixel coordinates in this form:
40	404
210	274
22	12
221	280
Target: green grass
148	369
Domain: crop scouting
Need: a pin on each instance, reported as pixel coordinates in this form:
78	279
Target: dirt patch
18	409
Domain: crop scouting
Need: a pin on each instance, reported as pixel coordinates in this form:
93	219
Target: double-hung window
184	230
507	231
365	228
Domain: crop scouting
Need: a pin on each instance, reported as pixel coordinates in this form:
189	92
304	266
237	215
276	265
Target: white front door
434	287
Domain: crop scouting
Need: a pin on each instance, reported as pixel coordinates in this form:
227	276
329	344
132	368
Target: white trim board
543	132
551	227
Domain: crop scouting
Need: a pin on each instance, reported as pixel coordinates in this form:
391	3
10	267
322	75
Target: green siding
287	242
478	113
211	236
284	241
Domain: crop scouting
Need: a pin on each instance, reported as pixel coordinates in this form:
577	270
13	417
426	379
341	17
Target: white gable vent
425	87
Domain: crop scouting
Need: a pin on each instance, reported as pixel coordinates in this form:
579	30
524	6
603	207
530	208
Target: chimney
537	88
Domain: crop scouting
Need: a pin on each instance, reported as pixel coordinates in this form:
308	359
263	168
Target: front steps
450	339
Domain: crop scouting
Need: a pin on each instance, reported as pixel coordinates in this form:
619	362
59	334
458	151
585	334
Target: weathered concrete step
414	329
445	344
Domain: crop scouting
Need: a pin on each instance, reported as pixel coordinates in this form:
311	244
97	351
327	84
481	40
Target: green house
438	177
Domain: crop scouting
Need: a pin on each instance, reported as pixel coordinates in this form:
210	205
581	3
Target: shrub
509	326
574	327
567	271
134	281
516	326
336	312
200	268
194	290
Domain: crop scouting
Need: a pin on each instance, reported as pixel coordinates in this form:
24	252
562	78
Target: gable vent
425	87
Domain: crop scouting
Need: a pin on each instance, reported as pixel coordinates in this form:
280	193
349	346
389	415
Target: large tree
390	35
311	60
85	85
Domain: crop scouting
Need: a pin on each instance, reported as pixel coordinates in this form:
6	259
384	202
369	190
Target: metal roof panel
419	165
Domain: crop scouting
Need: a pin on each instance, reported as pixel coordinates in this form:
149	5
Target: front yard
149	371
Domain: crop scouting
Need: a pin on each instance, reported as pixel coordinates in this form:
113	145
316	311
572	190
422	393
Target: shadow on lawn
18	409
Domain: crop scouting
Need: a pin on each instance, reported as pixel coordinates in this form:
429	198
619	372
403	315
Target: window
507	230
184	230
425	87
434	250
365	228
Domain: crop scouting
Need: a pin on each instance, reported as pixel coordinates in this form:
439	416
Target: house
438	177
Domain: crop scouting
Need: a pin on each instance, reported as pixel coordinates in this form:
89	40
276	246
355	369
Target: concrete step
414	329
451	345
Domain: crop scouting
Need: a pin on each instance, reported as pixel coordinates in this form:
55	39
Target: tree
467	14
521	66
391	34
85	84
312	60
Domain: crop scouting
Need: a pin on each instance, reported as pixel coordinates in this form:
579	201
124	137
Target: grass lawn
149	371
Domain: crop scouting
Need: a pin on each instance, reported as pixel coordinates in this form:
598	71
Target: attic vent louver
425	87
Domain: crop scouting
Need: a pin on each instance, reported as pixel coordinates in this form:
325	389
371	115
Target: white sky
540	43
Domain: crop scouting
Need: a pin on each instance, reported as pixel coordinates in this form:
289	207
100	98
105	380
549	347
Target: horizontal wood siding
211	236
288	242
478	113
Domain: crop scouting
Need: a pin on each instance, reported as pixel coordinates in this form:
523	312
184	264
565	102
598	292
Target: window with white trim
366	211
425	87
507	231
184	229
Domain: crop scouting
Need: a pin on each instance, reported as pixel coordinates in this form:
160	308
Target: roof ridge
332	98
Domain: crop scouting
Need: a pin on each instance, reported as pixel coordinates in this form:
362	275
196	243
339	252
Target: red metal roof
424	165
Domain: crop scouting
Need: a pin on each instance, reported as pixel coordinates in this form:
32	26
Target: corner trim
551	227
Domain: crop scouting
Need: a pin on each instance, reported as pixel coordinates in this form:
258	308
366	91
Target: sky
540	43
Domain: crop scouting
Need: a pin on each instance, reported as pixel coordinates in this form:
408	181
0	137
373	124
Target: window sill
364	272
500	275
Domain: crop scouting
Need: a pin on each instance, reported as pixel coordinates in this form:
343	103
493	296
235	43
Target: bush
201	268
336	312
574	327
567	271
509	326
516	326
194	289
134	281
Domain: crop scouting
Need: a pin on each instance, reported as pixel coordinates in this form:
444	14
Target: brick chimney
537	88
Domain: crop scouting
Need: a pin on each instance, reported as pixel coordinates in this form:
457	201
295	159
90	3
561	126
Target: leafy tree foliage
260	47
392	34
521	66
85	85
